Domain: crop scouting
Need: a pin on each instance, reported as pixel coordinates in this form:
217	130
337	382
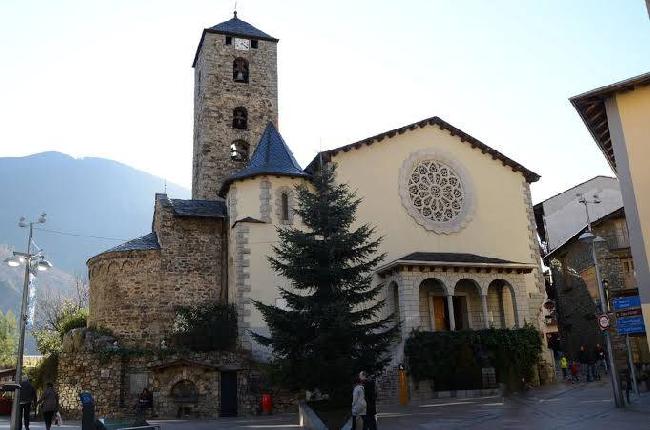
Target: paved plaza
582	406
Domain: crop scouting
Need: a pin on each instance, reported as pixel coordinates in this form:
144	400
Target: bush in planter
453	359
205	327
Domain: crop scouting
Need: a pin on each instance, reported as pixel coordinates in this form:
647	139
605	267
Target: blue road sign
622	303
630	325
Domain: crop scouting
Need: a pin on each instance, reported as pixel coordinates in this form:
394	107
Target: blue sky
114	78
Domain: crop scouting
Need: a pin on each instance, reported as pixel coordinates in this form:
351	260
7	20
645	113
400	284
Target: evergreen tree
331	327
8	338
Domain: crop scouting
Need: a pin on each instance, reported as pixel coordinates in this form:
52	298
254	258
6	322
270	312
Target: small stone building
455	214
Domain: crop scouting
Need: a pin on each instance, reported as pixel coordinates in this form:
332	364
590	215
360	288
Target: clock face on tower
242	44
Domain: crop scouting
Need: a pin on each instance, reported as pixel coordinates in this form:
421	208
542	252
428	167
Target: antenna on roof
165	185
235	11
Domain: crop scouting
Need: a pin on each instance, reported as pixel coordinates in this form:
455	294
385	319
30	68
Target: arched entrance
392	301
467	305
434	312
185	396
502	304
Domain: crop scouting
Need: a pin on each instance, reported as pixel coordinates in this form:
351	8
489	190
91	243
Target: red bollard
267	404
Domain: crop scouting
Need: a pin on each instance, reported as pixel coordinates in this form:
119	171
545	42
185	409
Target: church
455	215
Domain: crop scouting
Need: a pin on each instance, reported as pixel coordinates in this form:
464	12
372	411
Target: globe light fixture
12	261
43	265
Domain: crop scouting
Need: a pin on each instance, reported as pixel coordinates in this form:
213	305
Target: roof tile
272	156
143	243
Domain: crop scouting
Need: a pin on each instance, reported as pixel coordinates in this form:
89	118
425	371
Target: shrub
48	340
453	359
206	327
72	320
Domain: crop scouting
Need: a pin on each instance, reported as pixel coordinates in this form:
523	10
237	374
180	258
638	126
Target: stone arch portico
431	292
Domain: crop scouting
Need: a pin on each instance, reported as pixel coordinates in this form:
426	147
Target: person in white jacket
358	406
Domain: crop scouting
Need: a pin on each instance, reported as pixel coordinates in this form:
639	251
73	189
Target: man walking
600	360
371	400
27	397
564	366
583	359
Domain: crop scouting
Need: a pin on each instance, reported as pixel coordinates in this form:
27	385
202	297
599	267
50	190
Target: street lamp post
590	238
33	262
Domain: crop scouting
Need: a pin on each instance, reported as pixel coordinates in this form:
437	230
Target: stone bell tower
235	97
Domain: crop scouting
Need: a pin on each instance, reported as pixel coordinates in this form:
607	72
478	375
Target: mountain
92	204
85	196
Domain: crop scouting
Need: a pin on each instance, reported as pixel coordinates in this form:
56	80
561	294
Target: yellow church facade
455	218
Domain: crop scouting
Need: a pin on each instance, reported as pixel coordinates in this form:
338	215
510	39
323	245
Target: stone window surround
278	204
469	199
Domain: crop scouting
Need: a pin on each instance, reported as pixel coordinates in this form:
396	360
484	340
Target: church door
228	394
440	313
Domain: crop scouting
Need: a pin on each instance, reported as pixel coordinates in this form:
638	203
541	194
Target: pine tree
8	338
331	328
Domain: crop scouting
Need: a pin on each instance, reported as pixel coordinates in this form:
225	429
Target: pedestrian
584	362
49	404
591	365
27	397
358	407
370	391
574	372
564	366
145	401
601	361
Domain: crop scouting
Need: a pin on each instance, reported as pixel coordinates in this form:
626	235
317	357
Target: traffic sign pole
613	374
631	364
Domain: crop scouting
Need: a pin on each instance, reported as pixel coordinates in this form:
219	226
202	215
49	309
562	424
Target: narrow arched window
284	206
239	150
240	70
240	118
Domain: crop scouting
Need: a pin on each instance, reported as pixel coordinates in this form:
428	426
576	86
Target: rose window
436	191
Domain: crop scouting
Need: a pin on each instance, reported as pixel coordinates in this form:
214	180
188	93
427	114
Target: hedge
454	359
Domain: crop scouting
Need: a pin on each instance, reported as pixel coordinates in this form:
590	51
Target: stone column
484	304
409	306
450	312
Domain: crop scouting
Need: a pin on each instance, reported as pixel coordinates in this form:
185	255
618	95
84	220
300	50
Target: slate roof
234	27
272	156
453	257
199	208
464	137
237	27
143	243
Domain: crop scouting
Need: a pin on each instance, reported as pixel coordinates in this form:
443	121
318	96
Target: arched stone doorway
467	302
502	304
185	397
434	312
392	302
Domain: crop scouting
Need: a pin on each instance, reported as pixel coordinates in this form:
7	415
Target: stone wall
127	295
134	294
574	281
216	94
194	255
115	377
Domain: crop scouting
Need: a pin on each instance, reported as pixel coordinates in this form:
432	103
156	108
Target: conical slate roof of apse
272	156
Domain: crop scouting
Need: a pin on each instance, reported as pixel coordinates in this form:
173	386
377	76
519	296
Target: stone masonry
90	362
134	294
216	96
